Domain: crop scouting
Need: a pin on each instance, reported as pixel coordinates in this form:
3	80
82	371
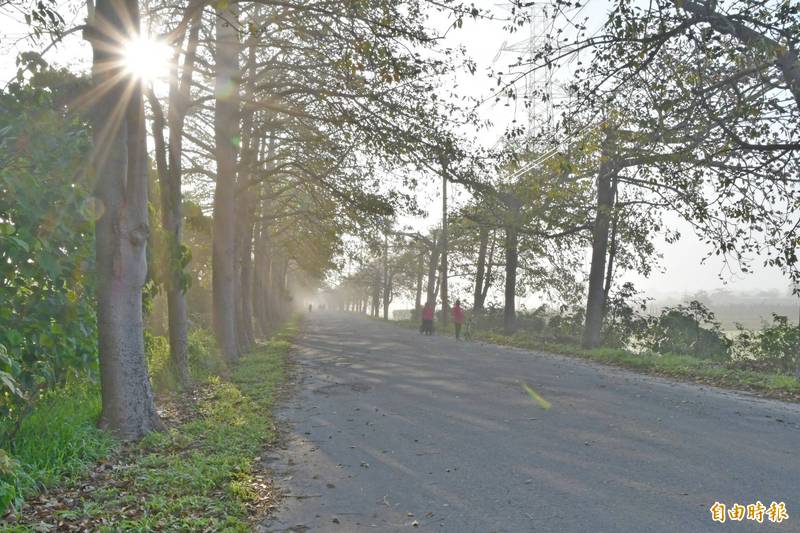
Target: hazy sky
682	268
681	264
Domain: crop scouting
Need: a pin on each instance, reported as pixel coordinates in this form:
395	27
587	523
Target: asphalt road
387	430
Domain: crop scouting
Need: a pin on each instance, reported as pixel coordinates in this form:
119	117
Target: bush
775	346
47	320
623	319
205	358
686	330
567	326
156	349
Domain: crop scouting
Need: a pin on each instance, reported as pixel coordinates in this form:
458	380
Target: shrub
156	349
624	318
775	345
686	330
205	358
567	326
47	320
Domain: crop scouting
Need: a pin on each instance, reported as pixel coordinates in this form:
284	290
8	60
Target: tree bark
430	290
512	255
477	298
121	231
245	317
418	296
445	305
605	204
488	276
261	265
226	132
387	277
612	251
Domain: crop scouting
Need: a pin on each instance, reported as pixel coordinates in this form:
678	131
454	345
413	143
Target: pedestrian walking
458	318
427	319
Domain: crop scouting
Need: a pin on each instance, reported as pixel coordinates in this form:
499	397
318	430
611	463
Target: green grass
57	440
720	373
200	474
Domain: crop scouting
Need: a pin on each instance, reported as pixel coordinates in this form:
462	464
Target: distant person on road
427	319
458	318
309	307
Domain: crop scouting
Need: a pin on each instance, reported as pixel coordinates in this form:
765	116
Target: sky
684	269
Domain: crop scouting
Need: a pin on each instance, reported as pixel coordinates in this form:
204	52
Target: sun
147	59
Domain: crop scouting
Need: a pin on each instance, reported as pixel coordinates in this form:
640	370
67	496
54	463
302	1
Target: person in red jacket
427	319
458	318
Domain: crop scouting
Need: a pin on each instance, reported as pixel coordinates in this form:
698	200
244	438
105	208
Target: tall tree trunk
430	292
445	305
510	311
245	318
261	277
605	204
387	278
612	251
170	172
120	162
226	133
278	298
177	316
377	285
477	298
418	296
487	278
247	200
258	284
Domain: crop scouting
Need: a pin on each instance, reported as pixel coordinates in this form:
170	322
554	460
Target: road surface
387	430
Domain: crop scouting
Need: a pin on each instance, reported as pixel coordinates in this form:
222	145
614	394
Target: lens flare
147	58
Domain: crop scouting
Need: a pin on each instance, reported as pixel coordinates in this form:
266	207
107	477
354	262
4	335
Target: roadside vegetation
201	473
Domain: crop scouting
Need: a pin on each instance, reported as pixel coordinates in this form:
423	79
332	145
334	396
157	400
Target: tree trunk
170	191
261	261
170	171
612	252
477	298
445	306
387	297
509	310
488	276
605	204
377	286
387	278
120	162
418	296
261	278
245	318
226	130
277	279
430	291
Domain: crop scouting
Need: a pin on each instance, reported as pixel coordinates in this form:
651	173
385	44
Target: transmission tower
535	90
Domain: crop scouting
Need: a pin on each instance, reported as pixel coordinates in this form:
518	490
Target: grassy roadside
202	474
683	367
